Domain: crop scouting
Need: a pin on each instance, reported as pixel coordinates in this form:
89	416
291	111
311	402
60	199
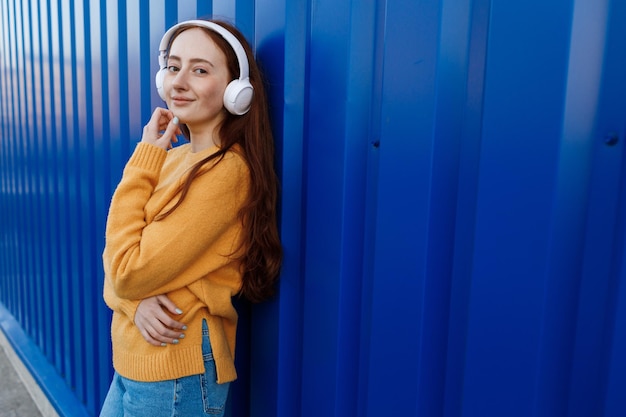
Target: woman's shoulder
235	153
233	163
228	172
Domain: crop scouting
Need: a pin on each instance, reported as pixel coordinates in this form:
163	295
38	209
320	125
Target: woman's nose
179	81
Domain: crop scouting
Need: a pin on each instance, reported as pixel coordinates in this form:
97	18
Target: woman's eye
200	71
172	68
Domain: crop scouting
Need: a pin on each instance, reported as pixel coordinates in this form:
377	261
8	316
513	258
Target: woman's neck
203	140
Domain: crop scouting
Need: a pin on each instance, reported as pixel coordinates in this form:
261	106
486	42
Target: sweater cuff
129	308
147	156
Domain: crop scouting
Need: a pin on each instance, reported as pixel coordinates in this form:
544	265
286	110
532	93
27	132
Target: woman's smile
178	101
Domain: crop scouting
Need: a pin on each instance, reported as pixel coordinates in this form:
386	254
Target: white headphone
238	93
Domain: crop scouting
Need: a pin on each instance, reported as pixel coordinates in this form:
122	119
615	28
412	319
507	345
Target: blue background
452	216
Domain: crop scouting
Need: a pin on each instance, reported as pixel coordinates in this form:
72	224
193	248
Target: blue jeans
195	395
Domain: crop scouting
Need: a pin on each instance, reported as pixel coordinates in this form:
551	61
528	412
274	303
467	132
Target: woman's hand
162	129
155	325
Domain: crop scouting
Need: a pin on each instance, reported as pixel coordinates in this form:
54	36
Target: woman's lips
180	101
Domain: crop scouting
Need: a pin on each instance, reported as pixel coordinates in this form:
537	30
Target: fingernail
182	336
163	344
175	341
179	311
184	327
175	120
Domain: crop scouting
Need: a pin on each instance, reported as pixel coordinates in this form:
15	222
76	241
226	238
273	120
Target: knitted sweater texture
189	256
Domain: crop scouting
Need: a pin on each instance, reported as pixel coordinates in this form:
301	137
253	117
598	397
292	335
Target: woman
191	227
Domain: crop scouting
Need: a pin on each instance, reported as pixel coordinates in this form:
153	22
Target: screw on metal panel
611	139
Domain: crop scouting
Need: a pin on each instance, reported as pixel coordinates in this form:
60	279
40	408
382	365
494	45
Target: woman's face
195	80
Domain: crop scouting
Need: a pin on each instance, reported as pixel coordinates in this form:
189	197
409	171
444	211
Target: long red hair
262	252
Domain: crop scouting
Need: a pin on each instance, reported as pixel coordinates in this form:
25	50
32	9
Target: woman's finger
167	320
160	117
165	335
168	304
160	121
165	139
148	338
157	334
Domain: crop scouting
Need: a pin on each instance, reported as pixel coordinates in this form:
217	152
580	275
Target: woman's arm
198	237
115	303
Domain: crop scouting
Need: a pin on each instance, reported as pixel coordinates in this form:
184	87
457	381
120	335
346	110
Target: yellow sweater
188	256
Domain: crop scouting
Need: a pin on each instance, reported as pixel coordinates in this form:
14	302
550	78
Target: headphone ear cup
238	96
159	82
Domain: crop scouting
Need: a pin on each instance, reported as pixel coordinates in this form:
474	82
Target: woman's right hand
155	325
161	129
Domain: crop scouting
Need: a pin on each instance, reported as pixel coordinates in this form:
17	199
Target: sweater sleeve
115	303
142	258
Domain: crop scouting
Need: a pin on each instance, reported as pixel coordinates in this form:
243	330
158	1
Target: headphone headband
238	94
222	31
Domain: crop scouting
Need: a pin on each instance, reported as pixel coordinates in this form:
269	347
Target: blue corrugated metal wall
453	209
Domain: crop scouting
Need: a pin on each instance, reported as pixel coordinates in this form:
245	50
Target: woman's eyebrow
192	60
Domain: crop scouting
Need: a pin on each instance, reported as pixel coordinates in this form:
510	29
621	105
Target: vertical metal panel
400	279
613	375
519	149
570	211
469	168
601	266
323	230
453	221
276	363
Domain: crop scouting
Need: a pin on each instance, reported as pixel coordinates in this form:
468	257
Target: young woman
191	227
